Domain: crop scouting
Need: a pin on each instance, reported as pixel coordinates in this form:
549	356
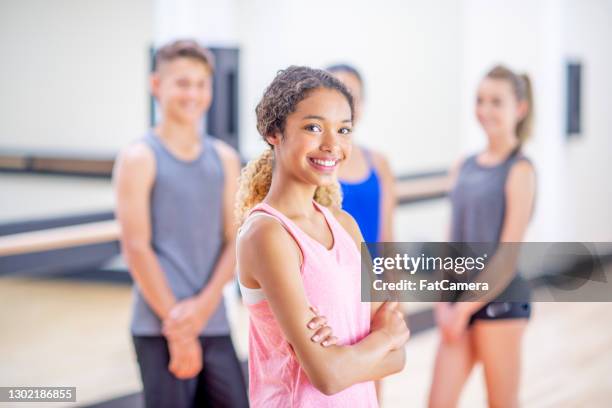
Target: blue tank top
187	230
363	201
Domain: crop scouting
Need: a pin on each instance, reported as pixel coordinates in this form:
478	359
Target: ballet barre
58	238
419	189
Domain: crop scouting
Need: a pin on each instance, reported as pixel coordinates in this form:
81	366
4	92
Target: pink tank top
332	282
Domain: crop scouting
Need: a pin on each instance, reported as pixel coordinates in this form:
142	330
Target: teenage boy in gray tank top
175	190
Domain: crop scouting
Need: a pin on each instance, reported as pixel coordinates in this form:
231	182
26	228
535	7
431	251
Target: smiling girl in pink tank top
297	249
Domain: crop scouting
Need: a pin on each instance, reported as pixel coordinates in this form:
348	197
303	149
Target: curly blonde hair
289	87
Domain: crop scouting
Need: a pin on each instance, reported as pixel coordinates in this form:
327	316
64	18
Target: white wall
211	22
74	73
586	38
408	52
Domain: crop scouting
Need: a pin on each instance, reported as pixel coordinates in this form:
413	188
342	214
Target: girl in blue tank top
366	179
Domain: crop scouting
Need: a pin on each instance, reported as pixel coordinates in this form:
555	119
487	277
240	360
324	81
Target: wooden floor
61	333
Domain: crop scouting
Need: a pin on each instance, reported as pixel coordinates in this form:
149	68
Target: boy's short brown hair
184	49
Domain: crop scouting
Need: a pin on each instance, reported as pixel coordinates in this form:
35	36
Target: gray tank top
479	207
187	230
479	200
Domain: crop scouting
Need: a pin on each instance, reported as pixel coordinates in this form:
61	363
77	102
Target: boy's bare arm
133	178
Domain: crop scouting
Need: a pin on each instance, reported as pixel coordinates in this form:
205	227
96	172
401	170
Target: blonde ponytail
329	195
254	184
525	125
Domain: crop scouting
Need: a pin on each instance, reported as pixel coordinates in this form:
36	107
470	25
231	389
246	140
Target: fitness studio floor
74	333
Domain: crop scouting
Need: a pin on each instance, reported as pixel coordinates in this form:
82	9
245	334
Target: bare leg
498	345
453	365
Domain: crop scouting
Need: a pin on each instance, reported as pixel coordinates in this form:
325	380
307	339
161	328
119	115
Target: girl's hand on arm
390	321
323	333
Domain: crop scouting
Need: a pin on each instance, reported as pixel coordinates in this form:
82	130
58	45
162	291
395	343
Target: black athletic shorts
512	303
502	310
